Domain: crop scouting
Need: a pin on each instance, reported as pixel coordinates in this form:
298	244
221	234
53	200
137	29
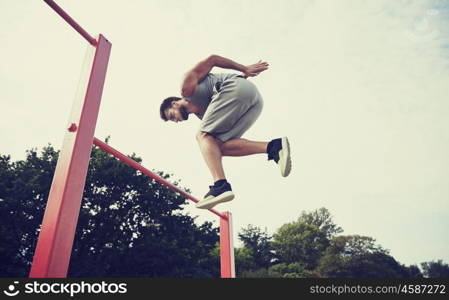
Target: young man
227	104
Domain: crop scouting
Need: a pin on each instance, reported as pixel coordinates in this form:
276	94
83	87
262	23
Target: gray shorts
234	107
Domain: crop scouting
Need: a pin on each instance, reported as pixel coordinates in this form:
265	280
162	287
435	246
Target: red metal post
226	247
54	246
71	22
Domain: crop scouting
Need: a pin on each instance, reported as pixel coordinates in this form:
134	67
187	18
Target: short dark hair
166	104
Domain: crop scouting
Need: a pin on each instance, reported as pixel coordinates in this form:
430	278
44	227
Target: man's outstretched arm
204	67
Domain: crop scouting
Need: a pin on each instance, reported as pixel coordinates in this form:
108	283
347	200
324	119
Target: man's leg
221	191
277	150
213	150
243	147
210	148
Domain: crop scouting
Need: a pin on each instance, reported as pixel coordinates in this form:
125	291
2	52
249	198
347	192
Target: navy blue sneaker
217	194
279	151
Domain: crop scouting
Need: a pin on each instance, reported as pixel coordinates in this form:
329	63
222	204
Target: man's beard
184	113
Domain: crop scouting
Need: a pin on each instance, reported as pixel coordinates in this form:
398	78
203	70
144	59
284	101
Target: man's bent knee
205	135
201	135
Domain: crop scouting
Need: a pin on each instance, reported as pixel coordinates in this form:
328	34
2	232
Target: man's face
177	112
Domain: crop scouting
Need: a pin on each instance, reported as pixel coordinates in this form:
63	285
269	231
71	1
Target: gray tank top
205	89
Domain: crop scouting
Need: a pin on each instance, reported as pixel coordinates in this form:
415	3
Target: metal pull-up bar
71	22
54	245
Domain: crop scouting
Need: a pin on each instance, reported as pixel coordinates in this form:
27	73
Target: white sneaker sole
285	161
208	204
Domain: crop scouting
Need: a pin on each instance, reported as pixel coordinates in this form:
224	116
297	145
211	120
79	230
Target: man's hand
255	69
194	76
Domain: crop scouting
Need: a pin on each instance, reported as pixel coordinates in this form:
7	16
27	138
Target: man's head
174	109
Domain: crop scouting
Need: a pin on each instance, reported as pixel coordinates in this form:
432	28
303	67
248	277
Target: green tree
244	261
378	264
258	243
435	269
129	225
412	271
299	242
24	187
322	219
305	240
360	256
294	270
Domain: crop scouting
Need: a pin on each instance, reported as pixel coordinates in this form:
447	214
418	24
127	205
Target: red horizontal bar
132	163
72	22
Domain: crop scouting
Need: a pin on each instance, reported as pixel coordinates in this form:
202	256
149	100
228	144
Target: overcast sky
359	87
